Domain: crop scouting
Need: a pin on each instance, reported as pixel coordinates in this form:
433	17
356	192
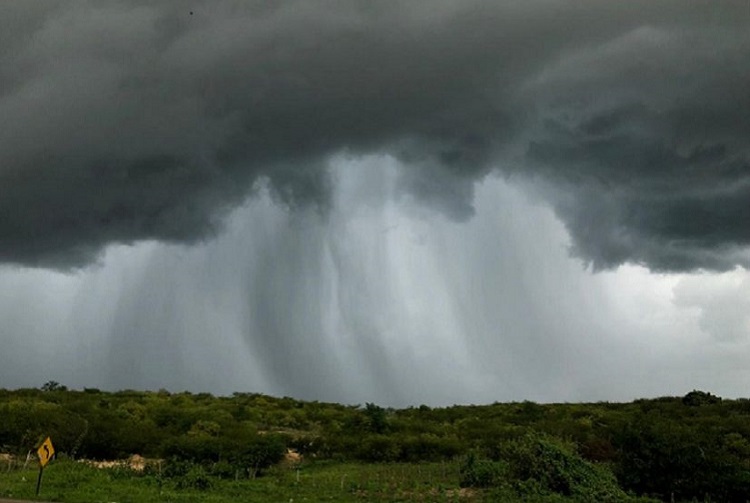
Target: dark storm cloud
125	121
647	136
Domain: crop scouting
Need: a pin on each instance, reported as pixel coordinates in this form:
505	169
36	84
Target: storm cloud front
416	201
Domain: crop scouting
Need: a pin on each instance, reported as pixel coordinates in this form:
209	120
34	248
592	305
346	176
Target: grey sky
355	199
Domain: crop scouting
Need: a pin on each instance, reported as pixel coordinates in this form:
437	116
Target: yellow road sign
45	452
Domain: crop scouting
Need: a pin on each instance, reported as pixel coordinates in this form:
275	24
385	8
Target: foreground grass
68	481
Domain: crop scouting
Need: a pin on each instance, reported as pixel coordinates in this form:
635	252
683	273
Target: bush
428	447
224	470
176	467
481	473
196	449
546	464
378	449
195	478
254	456
539	467
699	398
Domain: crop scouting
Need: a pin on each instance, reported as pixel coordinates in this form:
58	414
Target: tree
377	422
53	386
697	398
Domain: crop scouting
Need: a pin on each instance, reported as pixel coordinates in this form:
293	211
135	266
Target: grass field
69	481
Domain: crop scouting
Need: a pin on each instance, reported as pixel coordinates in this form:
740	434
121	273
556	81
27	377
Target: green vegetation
75	482
206	448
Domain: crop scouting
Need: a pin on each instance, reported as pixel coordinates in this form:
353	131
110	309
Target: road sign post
45	453
39	480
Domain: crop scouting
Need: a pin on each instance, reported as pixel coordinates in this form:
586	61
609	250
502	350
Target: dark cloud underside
125	121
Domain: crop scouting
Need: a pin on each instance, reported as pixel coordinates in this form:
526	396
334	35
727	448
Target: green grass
68	481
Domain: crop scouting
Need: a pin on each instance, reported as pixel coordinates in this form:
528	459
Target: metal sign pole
39	480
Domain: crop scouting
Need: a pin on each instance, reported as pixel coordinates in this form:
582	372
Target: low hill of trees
683	448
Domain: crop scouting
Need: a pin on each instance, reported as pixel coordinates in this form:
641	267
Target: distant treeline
682	448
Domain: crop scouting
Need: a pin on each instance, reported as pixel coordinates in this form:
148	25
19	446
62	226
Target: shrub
176	467
482	473
378	449
224	470
258	454
549	465
195	478
699	398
